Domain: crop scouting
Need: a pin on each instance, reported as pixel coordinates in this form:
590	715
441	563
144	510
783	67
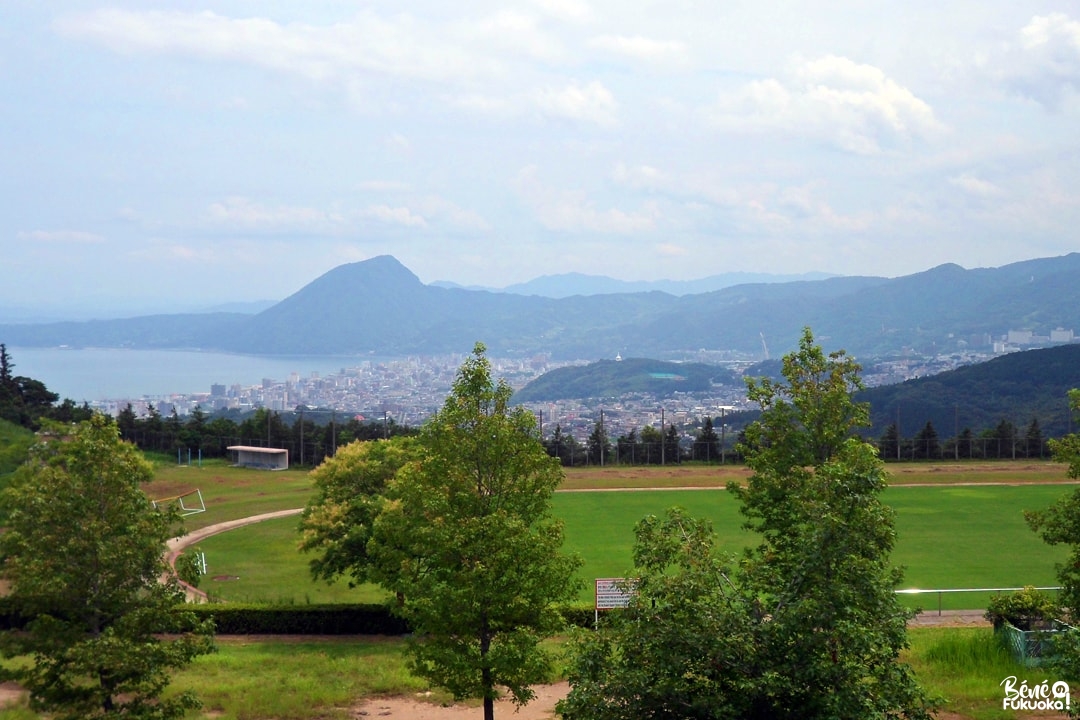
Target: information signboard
612	593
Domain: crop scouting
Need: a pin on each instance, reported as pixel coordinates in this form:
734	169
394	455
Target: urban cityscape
406	391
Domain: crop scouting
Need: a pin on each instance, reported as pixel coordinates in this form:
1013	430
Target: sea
95	374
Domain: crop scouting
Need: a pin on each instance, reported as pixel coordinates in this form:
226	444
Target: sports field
957	527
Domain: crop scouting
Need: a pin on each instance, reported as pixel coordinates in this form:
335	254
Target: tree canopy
457	526
805	624
84	552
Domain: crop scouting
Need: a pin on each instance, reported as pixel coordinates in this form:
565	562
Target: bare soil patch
421	708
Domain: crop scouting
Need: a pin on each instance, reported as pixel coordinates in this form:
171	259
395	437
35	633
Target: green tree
707	443
1003	439
1033	445
127	422
349	494
672	448
84	552
889	443
651	442
806	624
926	442
627	447
821	573
599	446
1060	525
685	646
468	544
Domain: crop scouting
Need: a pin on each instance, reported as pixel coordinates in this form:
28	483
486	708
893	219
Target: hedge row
338	619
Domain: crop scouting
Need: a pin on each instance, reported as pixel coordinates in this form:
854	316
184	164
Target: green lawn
309	679
948	537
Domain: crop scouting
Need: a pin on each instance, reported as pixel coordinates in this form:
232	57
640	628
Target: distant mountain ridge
379	307
565	285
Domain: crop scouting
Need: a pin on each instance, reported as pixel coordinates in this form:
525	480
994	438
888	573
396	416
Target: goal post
189	503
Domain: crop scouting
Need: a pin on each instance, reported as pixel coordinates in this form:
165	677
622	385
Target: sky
155	154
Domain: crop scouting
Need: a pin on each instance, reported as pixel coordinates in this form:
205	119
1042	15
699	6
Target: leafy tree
127	422
1060	525
349	489
707	442
651	440
561	446
821	573
966	444
684	648
806	625
468	544
672	449
1033	446
154	427
889	443
627	447
599	446
926	442
84	552
1003	438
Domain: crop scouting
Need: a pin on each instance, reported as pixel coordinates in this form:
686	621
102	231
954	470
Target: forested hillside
611	378
1017	388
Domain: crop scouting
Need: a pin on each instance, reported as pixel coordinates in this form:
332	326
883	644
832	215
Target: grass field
948	537
961	525
320	678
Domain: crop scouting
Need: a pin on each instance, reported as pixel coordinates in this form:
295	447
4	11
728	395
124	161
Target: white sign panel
609	594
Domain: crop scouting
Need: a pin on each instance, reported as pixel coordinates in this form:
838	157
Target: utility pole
663	437
601	438
723	432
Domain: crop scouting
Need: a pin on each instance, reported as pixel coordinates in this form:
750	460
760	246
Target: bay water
92	374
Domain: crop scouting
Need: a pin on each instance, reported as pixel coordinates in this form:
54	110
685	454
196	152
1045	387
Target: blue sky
151	151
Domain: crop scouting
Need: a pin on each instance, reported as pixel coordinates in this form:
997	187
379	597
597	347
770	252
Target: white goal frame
193	506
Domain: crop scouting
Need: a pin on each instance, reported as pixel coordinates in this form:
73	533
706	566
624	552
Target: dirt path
179	544
416	708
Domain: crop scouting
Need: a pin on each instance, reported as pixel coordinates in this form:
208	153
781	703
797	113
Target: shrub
1027	609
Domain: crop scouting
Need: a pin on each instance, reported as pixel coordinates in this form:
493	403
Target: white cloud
394	216
244	213
396	46
564	210
566	10
77	237
384	186
852	105
641	48
1046	66
519	34
588	103
671	250
641	177
439	208
975	186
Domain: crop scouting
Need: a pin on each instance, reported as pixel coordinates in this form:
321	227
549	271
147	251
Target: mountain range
379	307
565	285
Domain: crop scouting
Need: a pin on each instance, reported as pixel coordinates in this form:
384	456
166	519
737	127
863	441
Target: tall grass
966	666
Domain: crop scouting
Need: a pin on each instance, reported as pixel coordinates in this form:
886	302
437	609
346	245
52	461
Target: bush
1027	609
243	619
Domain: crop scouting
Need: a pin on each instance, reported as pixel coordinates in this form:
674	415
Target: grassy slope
948	537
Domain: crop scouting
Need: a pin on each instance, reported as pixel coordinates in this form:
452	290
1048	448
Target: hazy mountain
569	284
379	307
